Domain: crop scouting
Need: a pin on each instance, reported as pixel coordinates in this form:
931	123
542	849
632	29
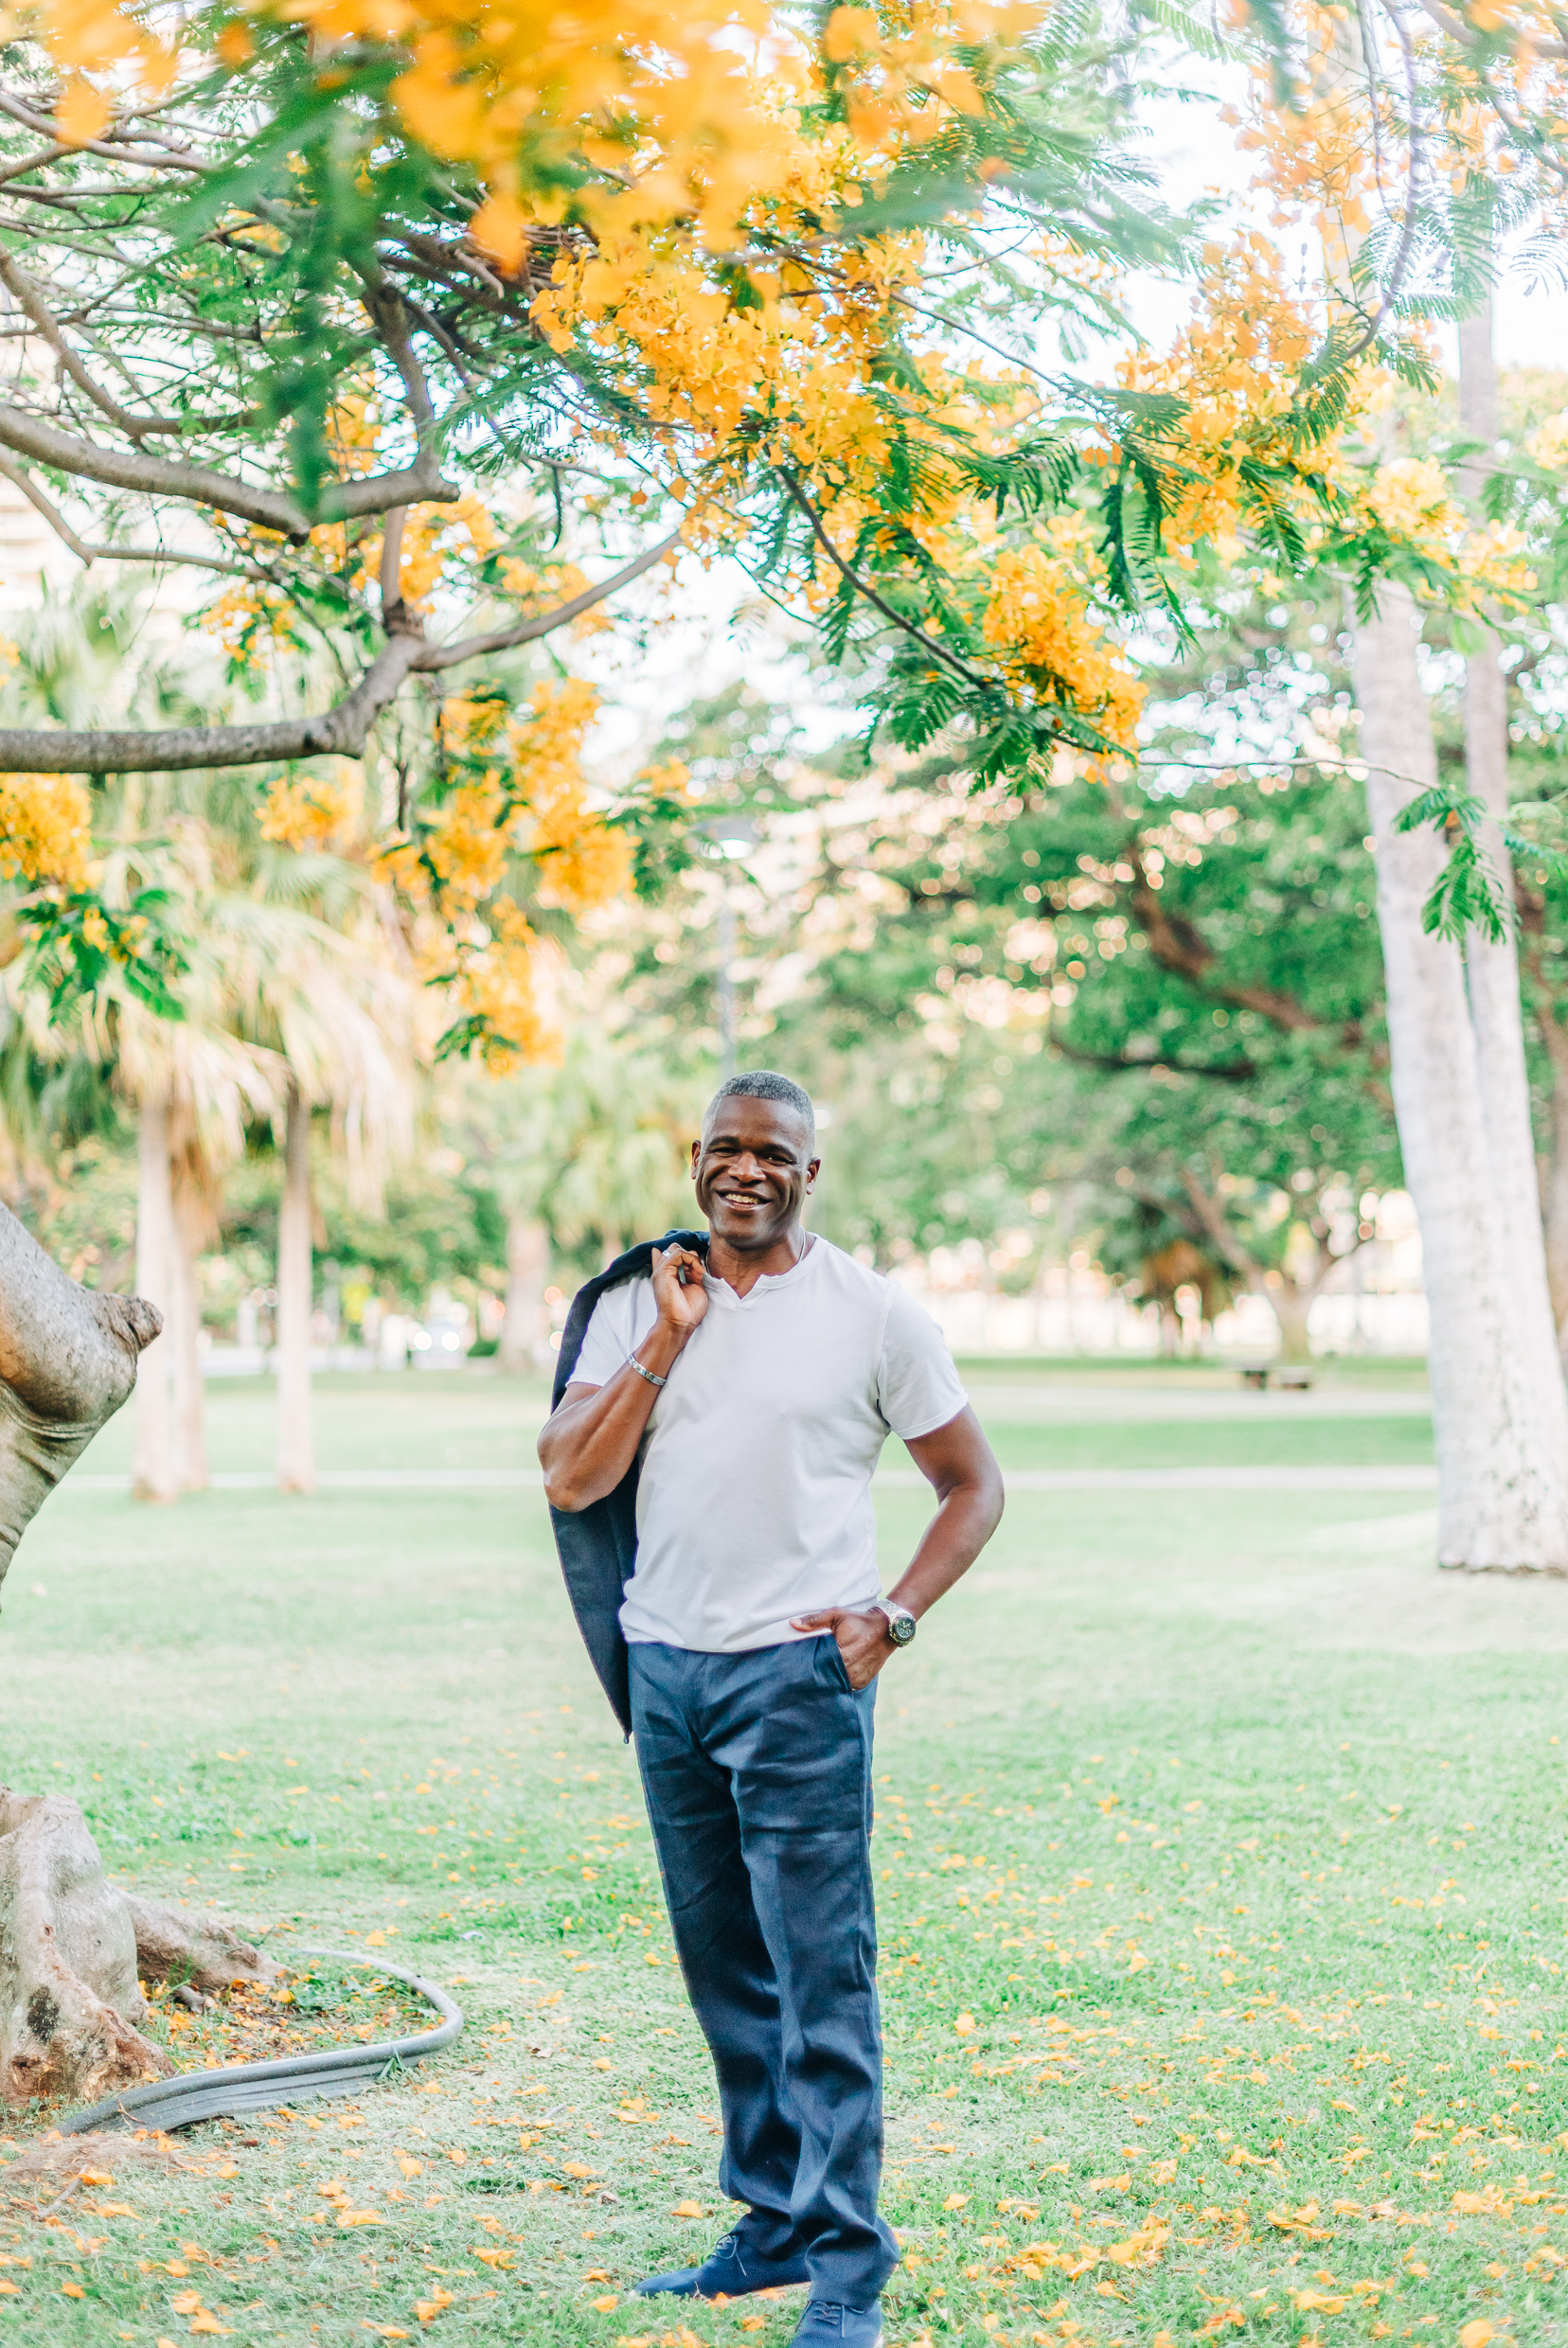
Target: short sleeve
619	1322
917	1387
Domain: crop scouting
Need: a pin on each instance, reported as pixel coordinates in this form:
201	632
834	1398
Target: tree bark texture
1554	1034
152	1475
205	1952
71	1948
527	1272
1492	967
70	2007
1502	1429
296	1450
67	1361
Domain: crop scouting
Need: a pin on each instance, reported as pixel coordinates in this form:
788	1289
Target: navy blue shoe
730	2270
825	2324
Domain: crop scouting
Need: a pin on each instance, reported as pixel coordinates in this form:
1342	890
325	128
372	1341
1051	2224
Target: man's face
753	1169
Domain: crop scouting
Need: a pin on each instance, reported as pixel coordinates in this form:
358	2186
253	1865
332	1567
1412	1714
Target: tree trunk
72	1946
1290	1304
71	2008
1554	1034
152	1476
1493	968
295	1451
1501	1430
67	1361
527	1271
191	1453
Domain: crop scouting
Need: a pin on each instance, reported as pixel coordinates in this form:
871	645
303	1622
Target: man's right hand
681	1309
591	1439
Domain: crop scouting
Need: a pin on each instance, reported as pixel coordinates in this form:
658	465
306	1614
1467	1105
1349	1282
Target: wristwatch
901	1622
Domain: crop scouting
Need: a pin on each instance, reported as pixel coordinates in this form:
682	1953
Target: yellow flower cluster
309	812
542	589
501	984
45	831
431	541
681	113
795	366
1050	649
529	798
99	37
1410	497
581	861
1549	444
1235	366
467	845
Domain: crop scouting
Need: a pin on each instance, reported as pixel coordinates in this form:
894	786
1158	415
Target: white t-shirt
754	1502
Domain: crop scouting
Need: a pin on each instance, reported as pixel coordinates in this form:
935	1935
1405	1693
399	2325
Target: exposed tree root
71	1948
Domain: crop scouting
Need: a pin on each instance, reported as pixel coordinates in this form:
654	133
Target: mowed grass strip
1223	1912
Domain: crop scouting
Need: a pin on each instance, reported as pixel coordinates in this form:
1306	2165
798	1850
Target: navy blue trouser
758	1774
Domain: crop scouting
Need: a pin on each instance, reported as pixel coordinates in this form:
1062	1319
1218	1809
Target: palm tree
195	1086
321	985
294	995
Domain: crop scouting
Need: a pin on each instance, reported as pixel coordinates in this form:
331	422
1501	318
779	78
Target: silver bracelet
636	1365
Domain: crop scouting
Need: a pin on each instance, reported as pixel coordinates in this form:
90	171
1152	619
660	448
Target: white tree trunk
296	1450
1502	1431
1493	968
152	1476
185	1328
527	1271
1555	1182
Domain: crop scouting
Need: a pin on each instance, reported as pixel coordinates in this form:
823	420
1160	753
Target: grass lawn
1221	1849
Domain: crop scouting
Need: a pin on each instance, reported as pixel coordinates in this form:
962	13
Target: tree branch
1179	947
340	730
391	562
939	651
30	163
438	656
18	282
1407	237
1122	1064
113	151
1225	1241
1450	21
195	485
87	553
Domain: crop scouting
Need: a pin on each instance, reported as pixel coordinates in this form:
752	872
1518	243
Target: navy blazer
597	1545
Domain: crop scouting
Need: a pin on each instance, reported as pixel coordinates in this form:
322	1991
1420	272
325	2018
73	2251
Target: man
751	1396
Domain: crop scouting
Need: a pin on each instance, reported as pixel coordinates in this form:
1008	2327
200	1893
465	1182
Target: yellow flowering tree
430	330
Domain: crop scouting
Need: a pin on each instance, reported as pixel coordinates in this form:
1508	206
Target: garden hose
181	2101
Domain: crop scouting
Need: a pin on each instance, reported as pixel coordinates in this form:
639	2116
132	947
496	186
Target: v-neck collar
770	1282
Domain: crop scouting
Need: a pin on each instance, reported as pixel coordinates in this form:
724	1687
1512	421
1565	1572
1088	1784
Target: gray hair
764	1084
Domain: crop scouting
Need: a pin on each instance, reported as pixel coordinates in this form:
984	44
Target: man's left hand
861	1636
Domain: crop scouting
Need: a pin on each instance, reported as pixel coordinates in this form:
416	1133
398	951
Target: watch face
900	1630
